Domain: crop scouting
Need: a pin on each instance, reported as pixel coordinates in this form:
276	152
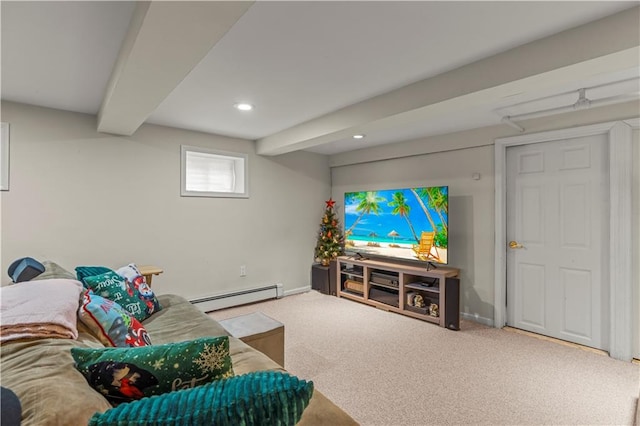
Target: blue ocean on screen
410	223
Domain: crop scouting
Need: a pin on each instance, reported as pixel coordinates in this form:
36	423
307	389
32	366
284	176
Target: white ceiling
295	61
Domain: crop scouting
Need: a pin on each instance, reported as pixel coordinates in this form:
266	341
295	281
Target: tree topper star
330	203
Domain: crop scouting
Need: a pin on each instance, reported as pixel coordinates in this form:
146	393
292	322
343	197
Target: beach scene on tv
408	223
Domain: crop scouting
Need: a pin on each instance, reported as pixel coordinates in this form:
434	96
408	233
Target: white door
558	233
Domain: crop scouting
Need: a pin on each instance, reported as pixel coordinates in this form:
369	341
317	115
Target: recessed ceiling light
244	107
358	136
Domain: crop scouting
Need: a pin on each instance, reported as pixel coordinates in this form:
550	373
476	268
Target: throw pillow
129	272
111	323
258	398
126	374
83	272
139	284
113	287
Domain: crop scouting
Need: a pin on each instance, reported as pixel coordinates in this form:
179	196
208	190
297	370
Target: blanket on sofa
39	309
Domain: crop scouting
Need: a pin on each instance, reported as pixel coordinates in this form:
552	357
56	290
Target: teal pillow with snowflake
127	374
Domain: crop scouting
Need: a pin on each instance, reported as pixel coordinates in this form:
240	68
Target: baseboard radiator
237	298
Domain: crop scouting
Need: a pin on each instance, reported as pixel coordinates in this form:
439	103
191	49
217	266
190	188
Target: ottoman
260	332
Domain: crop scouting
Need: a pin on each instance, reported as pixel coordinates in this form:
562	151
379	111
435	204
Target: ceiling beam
165	41
606	45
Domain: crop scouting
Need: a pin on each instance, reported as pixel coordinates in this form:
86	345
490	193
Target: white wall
83	198
451	160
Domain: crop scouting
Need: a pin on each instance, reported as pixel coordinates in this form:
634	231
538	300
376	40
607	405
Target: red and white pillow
138	283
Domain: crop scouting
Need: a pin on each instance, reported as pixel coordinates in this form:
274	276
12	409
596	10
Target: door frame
619	135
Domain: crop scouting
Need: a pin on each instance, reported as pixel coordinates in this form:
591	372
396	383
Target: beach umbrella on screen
393	234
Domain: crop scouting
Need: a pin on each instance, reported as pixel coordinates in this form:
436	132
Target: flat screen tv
407	223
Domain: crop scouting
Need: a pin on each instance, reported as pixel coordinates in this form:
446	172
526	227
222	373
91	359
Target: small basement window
212	173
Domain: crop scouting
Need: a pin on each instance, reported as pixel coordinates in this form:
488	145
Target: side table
148	271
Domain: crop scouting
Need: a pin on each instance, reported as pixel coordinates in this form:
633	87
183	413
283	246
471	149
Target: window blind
209	172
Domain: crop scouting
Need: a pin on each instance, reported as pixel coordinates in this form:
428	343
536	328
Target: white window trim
243	158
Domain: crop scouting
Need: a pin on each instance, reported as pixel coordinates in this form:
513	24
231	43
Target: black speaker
323	278
333	277
452	303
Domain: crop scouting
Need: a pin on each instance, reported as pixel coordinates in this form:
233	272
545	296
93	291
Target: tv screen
406	223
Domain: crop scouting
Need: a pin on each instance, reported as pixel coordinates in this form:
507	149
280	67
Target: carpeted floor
387	369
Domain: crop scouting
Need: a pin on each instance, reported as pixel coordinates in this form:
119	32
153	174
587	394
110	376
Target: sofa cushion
51	391
112	286
180	320
110	322
259	398
53	270
126	374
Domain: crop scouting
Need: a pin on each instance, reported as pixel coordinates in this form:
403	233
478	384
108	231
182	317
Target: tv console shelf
393	287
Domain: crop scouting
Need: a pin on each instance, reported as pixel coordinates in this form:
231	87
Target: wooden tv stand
390	286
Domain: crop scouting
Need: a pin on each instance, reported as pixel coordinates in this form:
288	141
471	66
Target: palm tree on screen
368	202
439	202
401	208
421	193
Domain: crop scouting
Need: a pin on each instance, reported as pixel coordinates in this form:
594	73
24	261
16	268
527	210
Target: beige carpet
387	369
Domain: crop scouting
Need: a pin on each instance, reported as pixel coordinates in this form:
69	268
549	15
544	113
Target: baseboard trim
554	340
477	318
297	290
236	298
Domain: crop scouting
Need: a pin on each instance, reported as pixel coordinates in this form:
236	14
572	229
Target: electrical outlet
243	270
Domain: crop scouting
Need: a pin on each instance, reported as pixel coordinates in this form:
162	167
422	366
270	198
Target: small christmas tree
330	240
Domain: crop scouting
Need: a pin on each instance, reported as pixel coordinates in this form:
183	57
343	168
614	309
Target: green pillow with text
127	374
